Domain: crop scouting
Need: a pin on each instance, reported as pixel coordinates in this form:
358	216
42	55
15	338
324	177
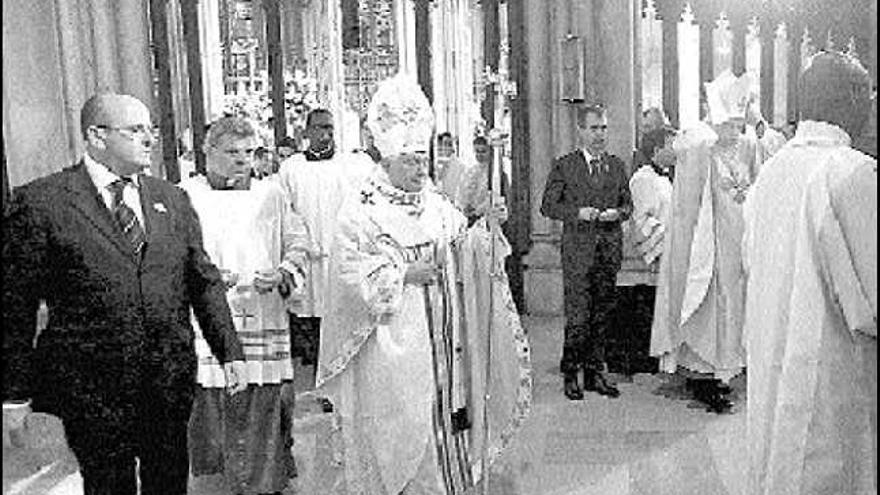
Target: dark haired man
588	191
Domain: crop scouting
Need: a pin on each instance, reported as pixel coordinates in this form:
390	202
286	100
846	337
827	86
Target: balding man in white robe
810	251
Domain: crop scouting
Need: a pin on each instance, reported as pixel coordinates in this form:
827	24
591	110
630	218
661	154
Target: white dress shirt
102	177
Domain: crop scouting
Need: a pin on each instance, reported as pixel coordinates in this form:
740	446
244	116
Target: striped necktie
128	221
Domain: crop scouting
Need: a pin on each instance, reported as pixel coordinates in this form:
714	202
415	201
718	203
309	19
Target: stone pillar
76	72
670	14
212	57
767	83
405	15
616	80
133	43
164	113
103	43
543	278
35	141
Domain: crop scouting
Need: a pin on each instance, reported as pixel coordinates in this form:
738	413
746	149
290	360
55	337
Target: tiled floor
650	441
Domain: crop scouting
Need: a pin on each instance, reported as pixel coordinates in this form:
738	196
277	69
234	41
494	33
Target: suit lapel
84	197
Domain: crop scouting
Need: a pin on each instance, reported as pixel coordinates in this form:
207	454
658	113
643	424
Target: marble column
405	17
104	44
76	72
212	57
35	141
133	50
616	81
767	83
543	277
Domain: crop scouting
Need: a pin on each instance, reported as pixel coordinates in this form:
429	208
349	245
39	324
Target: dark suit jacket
571	187
119	323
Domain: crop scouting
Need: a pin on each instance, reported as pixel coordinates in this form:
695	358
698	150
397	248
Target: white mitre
728	96
400	117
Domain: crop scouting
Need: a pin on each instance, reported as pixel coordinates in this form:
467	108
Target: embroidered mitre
400	117
728	96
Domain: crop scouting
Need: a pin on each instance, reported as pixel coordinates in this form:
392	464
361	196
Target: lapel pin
160	208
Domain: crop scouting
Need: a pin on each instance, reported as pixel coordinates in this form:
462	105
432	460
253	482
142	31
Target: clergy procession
413	247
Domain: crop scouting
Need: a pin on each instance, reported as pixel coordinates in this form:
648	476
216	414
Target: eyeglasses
133	131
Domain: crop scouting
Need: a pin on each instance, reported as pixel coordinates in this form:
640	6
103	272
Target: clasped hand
590	214
421	273
267	280
498	213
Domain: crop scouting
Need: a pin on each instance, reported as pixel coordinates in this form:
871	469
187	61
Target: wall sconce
571	80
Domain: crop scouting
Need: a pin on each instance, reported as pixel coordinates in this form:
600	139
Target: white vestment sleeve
848	245
373	266
295	244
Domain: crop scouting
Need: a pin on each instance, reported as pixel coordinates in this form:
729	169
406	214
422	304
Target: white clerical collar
814	133
101	176
587	156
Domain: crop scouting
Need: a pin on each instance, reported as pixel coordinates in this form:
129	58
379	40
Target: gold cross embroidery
244	314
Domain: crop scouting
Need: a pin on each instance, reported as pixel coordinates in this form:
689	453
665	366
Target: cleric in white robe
810	250
391	360
651	192
260	245
698	312
316	182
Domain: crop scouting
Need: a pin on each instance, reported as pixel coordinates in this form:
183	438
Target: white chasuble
810	251
316	190
405	364
700	292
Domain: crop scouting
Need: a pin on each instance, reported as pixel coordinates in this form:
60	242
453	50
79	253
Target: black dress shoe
571	388
594	381
711	393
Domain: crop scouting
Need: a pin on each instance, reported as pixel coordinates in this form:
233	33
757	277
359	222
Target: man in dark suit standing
588	191
117	257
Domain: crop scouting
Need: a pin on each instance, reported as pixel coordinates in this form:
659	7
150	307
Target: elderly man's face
232	157
407	171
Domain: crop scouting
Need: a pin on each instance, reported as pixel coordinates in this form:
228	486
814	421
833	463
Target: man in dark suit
117	257
588	191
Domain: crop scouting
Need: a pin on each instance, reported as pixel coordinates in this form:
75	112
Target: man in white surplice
316	181
698	312
810	250
260	246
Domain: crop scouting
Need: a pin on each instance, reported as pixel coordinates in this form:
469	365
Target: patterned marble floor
651	440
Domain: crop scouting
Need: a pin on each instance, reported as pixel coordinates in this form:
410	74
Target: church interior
512	71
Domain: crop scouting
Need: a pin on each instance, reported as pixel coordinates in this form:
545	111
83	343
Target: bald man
810	252
117	257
